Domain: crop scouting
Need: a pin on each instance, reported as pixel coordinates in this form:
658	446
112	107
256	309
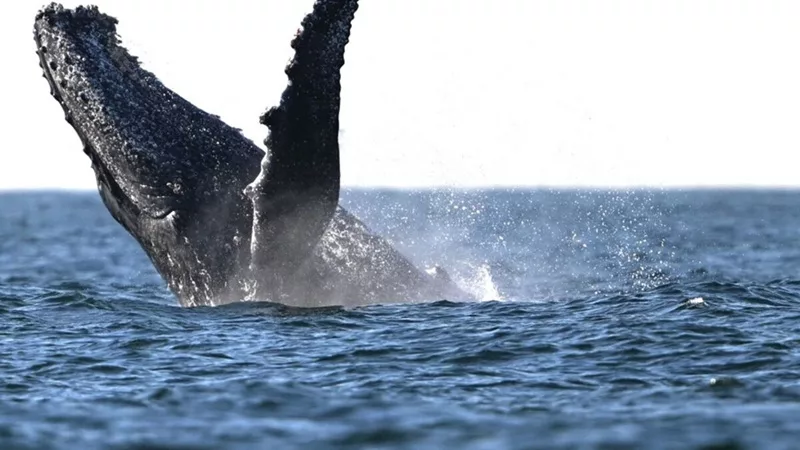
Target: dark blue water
598	337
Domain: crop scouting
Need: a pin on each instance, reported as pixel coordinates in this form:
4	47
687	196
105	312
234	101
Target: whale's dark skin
220	220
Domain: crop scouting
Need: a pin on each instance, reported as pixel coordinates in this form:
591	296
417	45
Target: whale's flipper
297	191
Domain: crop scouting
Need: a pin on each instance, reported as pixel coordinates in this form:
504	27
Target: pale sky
466	93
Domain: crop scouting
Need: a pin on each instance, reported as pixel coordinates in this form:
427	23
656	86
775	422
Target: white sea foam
480	284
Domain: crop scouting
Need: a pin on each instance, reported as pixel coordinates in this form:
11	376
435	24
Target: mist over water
609	319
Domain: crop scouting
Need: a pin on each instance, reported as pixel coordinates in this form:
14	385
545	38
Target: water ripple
654	334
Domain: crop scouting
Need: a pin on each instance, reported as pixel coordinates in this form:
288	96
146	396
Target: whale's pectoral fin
297	191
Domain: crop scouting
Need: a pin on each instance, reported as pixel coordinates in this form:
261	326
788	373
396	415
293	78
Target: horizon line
488	187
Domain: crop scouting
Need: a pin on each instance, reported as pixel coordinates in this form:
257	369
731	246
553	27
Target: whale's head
170	173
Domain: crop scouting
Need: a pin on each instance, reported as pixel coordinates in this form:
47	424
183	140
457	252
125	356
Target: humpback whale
220	219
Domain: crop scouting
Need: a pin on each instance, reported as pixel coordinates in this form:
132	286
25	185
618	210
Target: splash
481	285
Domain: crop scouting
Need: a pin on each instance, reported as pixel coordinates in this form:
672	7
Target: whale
220	219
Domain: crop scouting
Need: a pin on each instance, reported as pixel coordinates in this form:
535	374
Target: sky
458	93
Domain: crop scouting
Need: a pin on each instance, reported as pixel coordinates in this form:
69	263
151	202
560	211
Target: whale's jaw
170	173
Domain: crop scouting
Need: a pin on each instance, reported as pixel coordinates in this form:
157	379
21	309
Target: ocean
640	319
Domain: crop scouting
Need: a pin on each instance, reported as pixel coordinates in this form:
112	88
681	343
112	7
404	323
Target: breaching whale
220	219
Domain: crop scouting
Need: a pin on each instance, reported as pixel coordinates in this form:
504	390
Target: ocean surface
610	319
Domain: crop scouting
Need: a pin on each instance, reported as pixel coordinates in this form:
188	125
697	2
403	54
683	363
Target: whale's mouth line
101	171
